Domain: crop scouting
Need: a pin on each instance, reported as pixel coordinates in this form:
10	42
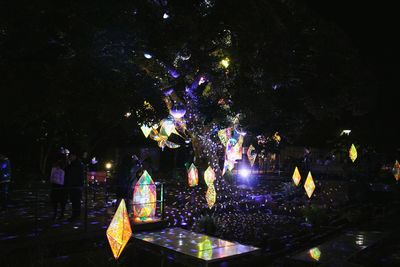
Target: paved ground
268	213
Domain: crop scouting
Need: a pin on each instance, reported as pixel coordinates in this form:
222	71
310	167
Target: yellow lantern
309	185
296	176
353	153
119	231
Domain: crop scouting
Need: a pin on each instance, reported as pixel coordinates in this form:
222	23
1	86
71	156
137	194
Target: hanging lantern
146	130
119	231
167	127
178	110
296	176
144	198
309	185
193	176
396	171
353	153
211	196
251	156
209	176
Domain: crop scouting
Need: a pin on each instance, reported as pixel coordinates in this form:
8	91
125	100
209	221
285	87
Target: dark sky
372	28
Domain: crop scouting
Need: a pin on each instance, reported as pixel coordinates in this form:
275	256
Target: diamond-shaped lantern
211	196
144	198
396	170
296	176
193	176
146	130
315	253
209	176
309	185
119	231
353	153
250	155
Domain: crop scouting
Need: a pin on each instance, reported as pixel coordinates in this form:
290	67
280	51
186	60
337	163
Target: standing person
58	194
74	178
5	179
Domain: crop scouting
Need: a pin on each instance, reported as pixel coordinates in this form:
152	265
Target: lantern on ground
296	176
144	199
309	185
119	231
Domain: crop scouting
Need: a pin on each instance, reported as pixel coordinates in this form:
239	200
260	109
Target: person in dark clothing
74	179
123	177
307	159
58	194
5	179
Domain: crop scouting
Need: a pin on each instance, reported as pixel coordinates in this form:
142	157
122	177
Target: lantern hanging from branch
251	156
353	153
211	194
193	176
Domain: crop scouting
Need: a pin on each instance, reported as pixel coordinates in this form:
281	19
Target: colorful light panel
193	176
144	198
396	171
309	185
353	153
119	231
224	135
296	176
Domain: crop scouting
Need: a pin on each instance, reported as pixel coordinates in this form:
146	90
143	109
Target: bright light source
346	132
244	172
165	16
128	114
147	55
108	165
225	62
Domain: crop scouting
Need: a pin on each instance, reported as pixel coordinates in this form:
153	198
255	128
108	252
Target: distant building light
147	55
128	114
165	16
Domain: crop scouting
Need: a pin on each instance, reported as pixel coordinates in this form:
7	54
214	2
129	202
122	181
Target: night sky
371	28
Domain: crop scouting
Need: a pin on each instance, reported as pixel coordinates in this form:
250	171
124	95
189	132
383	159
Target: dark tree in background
70	71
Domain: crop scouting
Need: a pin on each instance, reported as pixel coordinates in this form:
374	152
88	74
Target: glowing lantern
205	250
144	198
353	153
309	185
146	130
225	62
167	127
178	110
296	176
251	156
211	196
209	176
396	170
193	176
315	253
224	135
119	231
